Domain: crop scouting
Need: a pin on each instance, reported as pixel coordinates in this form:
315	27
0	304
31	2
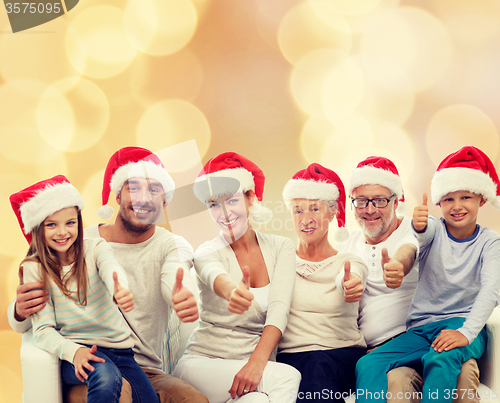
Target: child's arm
44	323
485	302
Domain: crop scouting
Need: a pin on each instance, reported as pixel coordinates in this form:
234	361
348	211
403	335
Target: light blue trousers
440	369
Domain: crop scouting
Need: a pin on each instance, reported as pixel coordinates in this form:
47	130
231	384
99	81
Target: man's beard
136	227
380	230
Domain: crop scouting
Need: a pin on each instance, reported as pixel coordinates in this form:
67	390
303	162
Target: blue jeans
326	374
105	382
440	369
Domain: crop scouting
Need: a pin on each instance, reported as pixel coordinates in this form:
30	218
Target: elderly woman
322	339
246	282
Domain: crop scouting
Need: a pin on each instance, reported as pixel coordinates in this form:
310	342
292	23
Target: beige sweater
222	334
319	318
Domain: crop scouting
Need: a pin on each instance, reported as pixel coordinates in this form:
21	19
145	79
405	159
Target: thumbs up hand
122	296
241	298
183	300
393	270
420	215
353	289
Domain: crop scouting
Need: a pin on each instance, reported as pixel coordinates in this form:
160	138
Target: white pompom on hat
378	171
132	162
319	183
37	202
468	169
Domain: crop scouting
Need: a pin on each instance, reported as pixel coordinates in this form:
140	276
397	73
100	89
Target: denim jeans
105	382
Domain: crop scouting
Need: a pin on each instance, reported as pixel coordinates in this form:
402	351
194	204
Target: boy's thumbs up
421	215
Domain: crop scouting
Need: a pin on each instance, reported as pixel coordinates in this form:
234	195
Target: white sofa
42	383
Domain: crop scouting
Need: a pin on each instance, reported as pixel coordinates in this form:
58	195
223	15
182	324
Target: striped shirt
63	325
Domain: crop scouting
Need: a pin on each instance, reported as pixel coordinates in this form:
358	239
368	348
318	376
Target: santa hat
378	171
35	203
229	173
467	169
132	162
319	183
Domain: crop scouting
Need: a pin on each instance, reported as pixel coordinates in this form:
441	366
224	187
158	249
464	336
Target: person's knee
468	382
364	364
106	379
404	385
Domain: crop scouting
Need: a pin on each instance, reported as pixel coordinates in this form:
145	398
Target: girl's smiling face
61	232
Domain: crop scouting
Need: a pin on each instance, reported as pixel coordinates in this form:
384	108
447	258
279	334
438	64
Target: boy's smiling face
460	211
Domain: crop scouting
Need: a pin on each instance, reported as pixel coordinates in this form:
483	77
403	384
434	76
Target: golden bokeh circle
92	195
388	95
456	126
63	116
151	77
310	26
159	27
361	22
96	42
349	7
18	125
327	82
415	40
170	122
352	141
40	57
315	133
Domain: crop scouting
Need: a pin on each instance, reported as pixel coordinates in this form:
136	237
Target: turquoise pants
440	369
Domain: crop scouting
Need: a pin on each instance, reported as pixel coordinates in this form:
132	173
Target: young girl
80	323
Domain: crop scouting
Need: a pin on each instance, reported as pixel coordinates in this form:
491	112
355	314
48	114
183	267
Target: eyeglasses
379	202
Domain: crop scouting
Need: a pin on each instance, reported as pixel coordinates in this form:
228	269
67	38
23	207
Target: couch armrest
489	364
41	373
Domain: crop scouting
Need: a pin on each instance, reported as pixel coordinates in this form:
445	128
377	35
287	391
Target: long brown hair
51	265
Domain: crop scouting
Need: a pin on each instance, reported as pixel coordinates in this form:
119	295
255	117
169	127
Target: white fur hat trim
48	201
143	169
369	175
449	180
310	189
240	174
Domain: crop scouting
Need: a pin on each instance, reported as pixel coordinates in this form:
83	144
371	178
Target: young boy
459	279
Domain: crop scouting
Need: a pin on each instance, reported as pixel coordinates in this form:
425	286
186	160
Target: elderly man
156	261
389	248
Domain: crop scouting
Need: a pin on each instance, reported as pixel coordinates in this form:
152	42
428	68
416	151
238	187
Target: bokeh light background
284	82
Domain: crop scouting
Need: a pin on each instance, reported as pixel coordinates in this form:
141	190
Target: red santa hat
378	171
229	173
467	169
319	183
132	162
35	203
